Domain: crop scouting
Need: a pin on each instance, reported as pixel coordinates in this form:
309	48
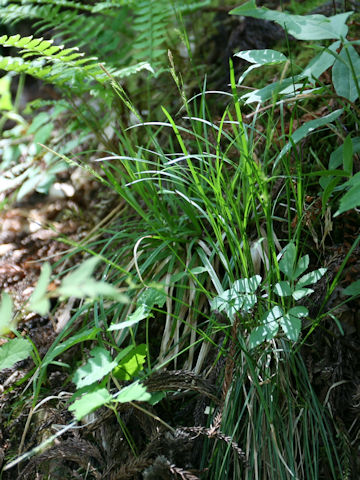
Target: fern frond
189	6
50	62
58	65
102	32
150	24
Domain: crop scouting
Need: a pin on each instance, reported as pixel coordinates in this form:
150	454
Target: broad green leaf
306	129
151	297
232	302
39	302
272	316
34	178
80	337
262	57
5	94
301	293
351	199
43	134
342	74
38	121
239	297
283	289
352	289
311	277
249	300
82	273
268	329
92	289
263	94
262	334
6	311
291	322
299	311
156	397
320	63
177	277
89	402
295	89
14	351
99	365
247	285
248	70
287	262
301	266
328	184
80	284
140	313
133	392
198	270
337	157
309	27
131	364
291	326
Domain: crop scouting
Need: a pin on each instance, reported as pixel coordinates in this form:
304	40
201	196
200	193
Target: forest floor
43	228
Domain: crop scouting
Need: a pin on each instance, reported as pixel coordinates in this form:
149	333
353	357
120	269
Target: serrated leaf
82	273
92	289
134	392
311	277
352	289
89	402
80	337
99	365
38	121
80	284
14	351
39	302
131	364
6	308
283	289
156	397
